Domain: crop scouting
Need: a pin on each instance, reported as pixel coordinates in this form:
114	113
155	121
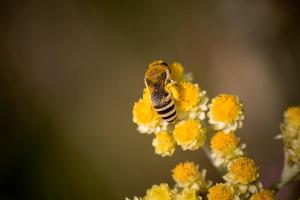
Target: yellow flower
189	134
224	143
160	192
186	173
220	191
225	108
225	147
144	114
225	112
186	95
177	71
242	170
189	194
146	96
292	117
164	144
291	134
263	195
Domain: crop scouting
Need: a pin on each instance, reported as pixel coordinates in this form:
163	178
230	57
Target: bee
157	77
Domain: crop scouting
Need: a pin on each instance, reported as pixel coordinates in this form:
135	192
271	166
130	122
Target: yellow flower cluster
164	144
190	185
291	134
221	191
164	192
144	114
226	113
242	170
263	195
190	104
292	117
186	173
189	134
160	192
188	194
225	147
187	176
186	95
177	71
224	143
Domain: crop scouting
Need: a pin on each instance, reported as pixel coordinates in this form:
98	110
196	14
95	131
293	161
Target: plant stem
207	152
289	173
210	132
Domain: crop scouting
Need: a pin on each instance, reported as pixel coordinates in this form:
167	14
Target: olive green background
71	71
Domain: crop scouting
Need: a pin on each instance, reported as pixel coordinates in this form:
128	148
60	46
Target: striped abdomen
166	110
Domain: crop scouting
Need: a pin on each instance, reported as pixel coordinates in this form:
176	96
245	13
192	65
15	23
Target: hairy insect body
165	108
156	78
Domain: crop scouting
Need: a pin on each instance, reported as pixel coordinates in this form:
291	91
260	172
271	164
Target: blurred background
71	71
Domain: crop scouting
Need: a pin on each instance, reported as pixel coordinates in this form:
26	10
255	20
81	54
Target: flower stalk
289	174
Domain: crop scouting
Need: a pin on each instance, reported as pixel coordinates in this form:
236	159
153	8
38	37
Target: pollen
243	170
173	89
159	192
143	113
292	116
185	173
263	195
224	143
146	96
189	134
177	71
220	191
225	108
164	144
186	95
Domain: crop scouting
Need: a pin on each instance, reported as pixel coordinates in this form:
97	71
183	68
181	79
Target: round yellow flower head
263	195
164	144
189	194
177	71
189	134
243	170
160	192
220	191
185	94
224	143
144	114
225	112
292	117
186	173
225	108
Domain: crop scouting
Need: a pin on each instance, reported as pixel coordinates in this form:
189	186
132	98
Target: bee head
157	75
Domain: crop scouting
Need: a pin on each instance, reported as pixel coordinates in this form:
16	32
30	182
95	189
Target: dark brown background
71	70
